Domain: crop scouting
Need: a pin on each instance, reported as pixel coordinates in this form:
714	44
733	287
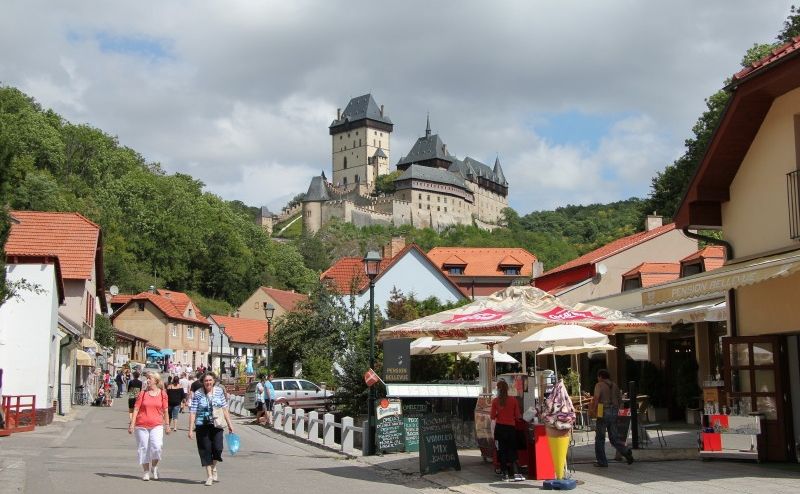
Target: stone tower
360	138
312	203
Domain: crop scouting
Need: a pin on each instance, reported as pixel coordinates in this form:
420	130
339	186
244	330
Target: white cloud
249	87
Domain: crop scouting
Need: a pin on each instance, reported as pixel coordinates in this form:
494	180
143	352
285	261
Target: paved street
94	453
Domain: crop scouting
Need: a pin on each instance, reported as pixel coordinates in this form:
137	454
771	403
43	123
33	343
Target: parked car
152	367
296	393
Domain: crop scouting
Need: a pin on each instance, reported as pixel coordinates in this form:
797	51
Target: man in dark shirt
197	384
134	388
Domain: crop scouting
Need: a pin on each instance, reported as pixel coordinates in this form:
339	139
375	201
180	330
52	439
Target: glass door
754	384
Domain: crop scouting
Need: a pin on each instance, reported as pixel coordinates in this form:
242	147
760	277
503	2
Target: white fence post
287	425
328	430
313	426
347	434
300	423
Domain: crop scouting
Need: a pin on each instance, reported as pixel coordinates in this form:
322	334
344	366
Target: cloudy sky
582	101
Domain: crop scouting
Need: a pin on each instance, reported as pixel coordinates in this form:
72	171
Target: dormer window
690	269
631	283
511	271
455	270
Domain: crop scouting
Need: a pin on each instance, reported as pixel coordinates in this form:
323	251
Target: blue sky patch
576	128
134	45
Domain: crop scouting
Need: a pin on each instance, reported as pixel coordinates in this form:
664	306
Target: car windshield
308	386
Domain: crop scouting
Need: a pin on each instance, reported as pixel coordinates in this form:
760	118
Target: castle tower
312	203
360	138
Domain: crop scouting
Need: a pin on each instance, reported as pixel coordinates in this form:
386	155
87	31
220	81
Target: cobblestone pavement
92	452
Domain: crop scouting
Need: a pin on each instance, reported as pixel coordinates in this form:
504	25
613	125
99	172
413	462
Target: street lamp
269	311
221	363
372	263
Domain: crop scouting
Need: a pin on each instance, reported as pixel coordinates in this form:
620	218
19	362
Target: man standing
260	394
605	406
269	399
118	380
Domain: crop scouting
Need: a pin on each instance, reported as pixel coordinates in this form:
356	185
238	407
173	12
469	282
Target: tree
104	331
384	184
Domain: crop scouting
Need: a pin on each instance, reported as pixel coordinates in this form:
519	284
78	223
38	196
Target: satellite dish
601	269
114	290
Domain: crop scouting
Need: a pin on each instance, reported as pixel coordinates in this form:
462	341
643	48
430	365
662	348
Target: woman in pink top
148	420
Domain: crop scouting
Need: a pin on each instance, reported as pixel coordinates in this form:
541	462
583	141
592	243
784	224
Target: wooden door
755	382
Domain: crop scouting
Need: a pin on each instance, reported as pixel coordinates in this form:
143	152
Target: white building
233	339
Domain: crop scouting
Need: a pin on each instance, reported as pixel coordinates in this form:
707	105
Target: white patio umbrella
577	350
499	357
427	345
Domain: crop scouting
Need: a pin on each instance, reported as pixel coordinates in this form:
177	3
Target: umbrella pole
555	364
524	363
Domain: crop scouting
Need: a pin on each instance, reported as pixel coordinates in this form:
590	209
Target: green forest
165	230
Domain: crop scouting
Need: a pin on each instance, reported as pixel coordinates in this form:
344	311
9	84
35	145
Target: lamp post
269	311
372	262
211	347
221	363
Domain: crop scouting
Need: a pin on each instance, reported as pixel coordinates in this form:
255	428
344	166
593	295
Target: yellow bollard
558	440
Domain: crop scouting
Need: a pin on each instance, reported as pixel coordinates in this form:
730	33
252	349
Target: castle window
420	205
438	208
354	143
429	206
420	197
345	162
357	179
344	181
359	142
379	144
429	197
356	132
348	134
445	209
373	143
438	199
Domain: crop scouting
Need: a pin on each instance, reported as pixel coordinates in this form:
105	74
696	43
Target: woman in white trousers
148	421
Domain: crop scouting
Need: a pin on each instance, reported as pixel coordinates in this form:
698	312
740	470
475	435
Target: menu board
412	411
437	449
389	434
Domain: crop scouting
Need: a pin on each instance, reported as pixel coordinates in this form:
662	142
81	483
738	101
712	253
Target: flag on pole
371	378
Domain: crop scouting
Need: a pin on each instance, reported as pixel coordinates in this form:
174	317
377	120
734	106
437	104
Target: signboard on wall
397	360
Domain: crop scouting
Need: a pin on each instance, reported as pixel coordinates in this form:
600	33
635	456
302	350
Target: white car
296	393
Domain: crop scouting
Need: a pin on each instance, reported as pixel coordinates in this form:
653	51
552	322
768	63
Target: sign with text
397	360
389	432
412	411
437	448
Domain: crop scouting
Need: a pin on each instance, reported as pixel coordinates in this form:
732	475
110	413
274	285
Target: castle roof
430	174
498	172
317	191
380	154
360	108
426	148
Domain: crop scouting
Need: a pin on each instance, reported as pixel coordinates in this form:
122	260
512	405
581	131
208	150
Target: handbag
217	414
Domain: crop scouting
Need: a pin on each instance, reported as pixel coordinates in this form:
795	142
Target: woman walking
505	412
175	396
148	421
201	419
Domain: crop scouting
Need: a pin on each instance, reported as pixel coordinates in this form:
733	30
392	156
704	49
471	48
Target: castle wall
488	205
312	216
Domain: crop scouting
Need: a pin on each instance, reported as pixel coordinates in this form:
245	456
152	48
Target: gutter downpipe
734	329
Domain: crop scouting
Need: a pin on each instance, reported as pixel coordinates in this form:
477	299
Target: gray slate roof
380	154
430	174
362	107
265	212
426	148
498	172
317	191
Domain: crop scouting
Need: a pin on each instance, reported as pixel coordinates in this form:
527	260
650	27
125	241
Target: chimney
653	221
338	114
152	289
538	269
381	110
395	245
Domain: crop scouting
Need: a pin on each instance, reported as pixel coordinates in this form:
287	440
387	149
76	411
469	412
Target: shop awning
89	343
709	310
433	390
83	358
723	279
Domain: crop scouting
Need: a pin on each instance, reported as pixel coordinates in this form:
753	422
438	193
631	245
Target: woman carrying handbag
208	416
148	420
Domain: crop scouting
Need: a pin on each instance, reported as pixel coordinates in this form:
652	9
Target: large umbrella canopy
513	310
427	345
560	335
576	350
499	357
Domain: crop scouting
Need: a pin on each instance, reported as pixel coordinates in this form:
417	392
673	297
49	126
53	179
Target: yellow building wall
756	219
253	307
367	141
770	307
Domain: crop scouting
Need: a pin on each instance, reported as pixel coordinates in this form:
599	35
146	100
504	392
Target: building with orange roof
63	254
481	271
235	338
405	268
599	273
283	300
170	320
649	274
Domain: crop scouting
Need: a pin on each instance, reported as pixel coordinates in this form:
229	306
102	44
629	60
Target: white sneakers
209	481
214	475
155	473
146	476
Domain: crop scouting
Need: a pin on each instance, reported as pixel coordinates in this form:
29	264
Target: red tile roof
286	299
240	330
70	236
348	277
179	299
775	55
120	299
712	257
612	248
484	261
654	273
167	306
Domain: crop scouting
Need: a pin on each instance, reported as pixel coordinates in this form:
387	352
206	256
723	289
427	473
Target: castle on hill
434	189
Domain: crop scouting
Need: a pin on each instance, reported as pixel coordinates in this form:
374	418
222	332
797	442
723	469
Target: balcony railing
793	194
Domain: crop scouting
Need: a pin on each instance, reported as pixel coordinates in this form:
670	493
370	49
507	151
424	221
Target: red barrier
19	413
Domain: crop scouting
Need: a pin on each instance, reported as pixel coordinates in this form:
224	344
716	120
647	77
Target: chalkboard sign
437	449
389	434
412	411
